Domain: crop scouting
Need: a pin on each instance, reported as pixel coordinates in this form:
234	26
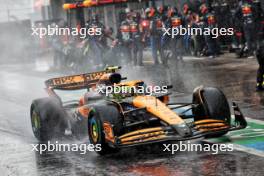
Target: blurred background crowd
132	31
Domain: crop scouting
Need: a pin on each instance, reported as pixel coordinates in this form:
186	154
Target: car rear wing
81	81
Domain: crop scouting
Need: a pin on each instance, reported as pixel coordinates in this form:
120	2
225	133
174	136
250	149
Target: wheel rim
35	120
94	130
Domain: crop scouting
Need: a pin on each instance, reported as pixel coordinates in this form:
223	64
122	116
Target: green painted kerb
253	134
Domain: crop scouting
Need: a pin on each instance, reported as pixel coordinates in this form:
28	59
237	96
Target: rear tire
47	117
212	104
99	115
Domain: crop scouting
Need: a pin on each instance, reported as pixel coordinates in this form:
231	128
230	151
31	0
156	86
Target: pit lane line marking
242	148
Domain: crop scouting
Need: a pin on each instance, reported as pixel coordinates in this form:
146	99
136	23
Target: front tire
211	103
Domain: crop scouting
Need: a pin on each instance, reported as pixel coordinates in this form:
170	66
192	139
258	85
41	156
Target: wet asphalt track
20	83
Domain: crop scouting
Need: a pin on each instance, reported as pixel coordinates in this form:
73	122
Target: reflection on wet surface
20	85
151	162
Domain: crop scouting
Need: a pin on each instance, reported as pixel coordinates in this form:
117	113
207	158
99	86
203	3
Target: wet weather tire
46	118
212	104
97	116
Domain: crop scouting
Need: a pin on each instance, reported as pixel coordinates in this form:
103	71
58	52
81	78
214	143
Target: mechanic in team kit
124	37
260	54
209	20
259	21
144	25
137	47
165	40
59	44
155	34
137	31
187	20
260	73
97	40
246	12
175	20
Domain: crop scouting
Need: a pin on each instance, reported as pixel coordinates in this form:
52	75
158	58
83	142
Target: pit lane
22	82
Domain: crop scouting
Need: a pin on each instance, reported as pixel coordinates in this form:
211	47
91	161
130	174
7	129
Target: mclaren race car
117	120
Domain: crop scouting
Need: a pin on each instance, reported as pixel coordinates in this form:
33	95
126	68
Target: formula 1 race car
117	120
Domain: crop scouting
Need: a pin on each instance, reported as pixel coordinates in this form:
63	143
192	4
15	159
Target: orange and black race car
119	120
